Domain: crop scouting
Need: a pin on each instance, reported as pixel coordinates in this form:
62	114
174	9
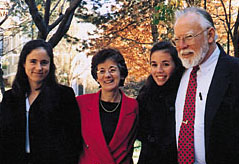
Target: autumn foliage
131	29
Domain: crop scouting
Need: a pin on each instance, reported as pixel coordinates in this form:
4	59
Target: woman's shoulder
86	96
9	94
146	89
61	89
62	92
64	87
87	100
129	100
10	97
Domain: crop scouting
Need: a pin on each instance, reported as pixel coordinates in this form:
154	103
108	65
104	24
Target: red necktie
186	133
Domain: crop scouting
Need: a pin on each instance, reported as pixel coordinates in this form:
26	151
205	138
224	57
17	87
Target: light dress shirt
204	78
27	126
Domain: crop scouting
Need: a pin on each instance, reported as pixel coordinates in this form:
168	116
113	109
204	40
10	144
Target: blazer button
151	139
87	146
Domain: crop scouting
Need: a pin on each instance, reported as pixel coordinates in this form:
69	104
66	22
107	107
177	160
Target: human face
194	53
37	66
162	66
108	75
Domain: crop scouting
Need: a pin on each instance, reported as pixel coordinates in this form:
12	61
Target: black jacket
54	127
222	112
157	121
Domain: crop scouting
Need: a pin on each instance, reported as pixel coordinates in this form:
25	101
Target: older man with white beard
207	103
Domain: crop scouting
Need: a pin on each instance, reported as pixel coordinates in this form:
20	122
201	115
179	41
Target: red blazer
96	150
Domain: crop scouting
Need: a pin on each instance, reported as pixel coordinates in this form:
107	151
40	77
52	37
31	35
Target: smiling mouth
160	77
38	74
108	81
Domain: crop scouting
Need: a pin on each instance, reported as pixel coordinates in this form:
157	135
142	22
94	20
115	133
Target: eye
154	65
188	37
166	64
102	71
33	61
44	62
112	70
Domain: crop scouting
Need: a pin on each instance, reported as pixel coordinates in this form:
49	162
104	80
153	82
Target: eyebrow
189	32
161	61
164	61
114	66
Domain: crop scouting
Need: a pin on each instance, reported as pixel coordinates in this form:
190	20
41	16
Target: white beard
198	57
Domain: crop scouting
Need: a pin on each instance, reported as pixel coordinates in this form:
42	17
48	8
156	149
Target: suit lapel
124	124
114	142
216	91
100	145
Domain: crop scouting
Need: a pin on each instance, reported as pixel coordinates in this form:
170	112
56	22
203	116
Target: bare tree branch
55	7
227	19
47	12
65	23
53	25
5	18
9	12
236	37
236	25
37	18
230	14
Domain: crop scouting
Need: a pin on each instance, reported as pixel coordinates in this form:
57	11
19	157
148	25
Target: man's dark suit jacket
222	113
54	127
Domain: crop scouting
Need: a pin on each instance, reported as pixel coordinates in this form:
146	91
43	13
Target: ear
211	35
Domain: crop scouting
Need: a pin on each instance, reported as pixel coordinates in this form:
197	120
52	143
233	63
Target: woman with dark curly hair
108	117
39	118
156	105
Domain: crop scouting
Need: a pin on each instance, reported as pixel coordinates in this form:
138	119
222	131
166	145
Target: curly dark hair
20	83
114	55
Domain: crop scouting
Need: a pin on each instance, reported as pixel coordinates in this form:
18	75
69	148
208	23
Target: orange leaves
131	33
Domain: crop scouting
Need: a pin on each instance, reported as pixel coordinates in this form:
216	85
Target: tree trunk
236	36
228	43
154	32
1	81
154	27
236	45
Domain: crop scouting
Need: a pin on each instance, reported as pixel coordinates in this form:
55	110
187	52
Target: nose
160	69
107	73
38	66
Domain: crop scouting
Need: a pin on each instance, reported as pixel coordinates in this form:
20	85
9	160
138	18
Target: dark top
157	121
109	120
54	127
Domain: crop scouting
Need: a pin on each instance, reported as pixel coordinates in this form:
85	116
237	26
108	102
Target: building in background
74	65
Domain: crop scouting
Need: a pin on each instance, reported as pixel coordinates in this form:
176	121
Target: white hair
205	18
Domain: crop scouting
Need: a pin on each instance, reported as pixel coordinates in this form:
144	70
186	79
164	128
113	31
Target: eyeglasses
111	70
188	39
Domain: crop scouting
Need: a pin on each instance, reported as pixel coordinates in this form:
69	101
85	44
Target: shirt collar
206	66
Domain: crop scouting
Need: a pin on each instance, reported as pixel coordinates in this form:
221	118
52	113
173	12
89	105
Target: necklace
109	111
